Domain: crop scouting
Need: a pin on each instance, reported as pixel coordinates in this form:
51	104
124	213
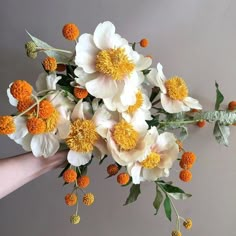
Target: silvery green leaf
224	117
183	133
221	133
219	97
61	57
180	196
167	207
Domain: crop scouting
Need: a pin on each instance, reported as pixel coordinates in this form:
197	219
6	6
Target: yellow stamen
176	88
139	102
82	136
125	135
51	122
114	63
151	161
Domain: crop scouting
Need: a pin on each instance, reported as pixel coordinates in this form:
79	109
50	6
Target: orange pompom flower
21	90
123	178
45	109
88	199
232	106
69	176
112	169
71	199
187	160
144	43
25	104
7	125
201	123
36	125
70	31
83	181
50	64
185	175
80	93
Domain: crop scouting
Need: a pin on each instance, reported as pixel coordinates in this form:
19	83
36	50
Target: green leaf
219	97
155	92
183	133
134	193
180	196
171	189
167	207
158	200
221	133
61	57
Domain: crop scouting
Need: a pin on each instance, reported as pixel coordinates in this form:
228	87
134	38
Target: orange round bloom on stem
69	176
187	160
232	106
50	63
88	199
25	104
80	93
36	125
7	125
21	90
45	109
112	169
201	123
71	199
144	43
123	178
83	181
185	175
70	31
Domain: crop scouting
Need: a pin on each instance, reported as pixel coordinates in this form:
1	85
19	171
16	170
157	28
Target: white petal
63	128
52	80
172	106
86	43
103	35
100	149
192	103
78	158
152	174
86	61
143	63
160	72
12	100
136	173
101	116
25	142
82	110
45	145
41	83
165	141
21	129
83	77
102	87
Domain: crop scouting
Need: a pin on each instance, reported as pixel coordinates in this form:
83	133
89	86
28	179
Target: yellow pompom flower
88	199
176	233
75	219
188	223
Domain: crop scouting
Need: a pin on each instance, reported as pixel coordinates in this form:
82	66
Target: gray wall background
191	38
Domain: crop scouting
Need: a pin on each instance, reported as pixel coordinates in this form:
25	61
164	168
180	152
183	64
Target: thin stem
156	102
178	122
37	101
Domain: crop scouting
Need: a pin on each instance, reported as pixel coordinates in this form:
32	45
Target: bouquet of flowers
103	100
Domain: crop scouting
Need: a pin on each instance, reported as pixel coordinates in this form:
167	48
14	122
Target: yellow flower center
114	63
151	161
125	135
82	136
139	102
51	122
176	88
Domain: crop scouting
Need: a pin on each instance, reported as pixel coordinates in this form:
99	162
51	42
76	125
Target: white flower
83	140
124	138
174	92
108	67
159	153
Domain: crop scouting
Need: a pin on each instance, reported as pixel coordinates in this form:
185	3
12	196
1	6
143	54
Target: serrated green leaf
61	57
158	200
134	193
221	133
180	196
219	97
167	207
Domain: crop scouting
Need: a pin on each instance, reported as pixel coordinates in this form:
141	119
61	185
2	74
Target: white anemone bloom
83	139
124	138
47	143
174	92
159	154
108	67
